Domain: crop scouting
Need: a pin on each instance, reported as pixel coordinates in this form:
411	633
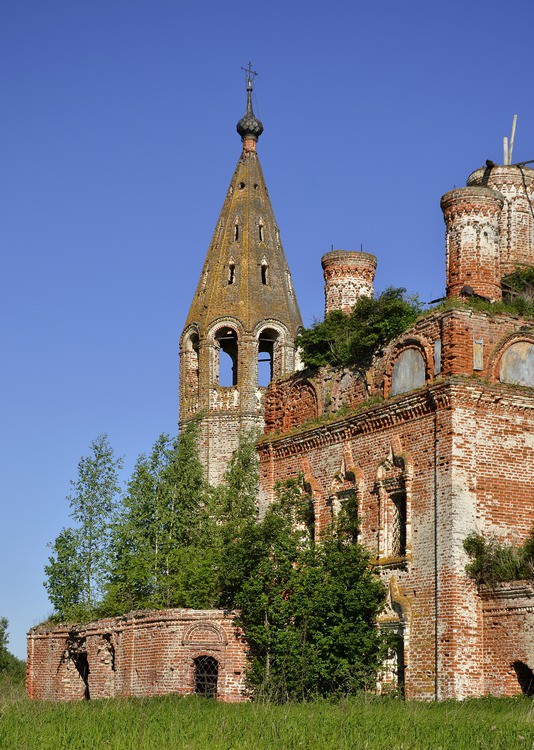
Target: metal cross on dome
249	71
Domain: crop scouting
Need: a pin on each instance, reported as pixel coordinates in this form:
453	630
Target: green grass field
200	724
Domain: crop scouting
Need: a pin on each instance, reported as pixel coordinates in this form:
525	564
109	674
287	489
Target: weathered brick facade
140	654
451	453
435	443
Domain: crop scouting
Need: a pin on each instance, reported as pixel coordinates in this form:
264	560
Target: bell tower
241	328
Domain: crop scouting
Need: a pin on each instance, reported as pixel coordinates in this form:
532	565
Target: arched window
264	271
261	230
226	338
517	364
206	676
266	350
398	531
408	371
236	230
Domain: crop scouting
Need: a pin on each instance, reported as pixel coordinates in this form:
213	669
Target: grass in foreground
199	724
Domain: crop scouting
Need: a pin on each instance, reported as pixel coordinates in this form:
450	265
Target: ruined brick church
436	443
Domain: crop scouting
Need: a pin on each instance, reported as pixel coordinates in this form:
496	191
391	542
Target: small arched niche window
206	676
226	338
261	230
231	271
264	271
266	353
236	230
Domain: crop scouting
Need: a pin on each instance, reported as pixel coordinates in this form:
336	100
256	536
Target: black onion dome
249	125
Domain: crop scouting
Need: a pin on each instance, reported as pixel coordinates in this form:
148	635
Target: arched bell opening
191	366
266	355
226	339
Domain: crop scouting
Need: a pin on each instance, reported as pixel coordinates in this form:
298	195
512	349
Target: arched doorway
206	676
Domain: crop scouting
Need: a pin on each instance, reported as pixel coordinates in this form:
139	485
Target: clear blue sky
117	145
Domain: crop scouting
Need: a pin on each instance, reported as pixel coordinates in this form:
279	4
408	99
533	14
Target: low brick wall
139	654
508	614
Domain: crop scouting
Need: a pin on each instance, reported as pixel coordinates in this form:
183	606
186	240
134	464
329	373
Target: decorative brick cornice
437	396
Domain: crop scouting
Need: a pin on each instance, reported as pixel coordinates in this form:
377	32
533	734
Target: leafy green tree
10	666
82	553
352	340
166	537
237	496
308	609
65	576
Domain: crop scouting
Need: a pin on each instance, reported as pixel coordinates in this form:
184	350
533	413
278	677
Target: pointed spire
249	127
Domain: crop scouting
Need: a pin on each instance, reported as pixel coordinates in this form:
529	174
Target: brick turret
472	217
516	184
348	276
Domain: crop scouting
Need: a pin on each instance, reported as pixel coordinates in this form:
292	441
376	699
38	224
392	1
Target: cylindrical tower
472	219
348	275
516	185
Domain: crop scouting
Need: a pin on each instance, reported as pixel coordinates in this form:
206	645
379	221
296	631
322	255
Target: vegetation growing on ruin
362	723
518	297
353	339
492	562
308	608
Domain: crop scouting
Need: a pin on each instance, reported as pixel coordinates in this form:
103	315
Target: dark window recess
231	273
398	541
261	232
264	277
236	231
206	676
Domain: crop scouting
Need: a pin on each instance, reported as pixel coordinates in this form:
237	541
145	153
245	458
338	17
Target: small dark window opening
227	340
399	649
231	273
264	274
82	665
261	232
236	231
398	541
206	676
266	346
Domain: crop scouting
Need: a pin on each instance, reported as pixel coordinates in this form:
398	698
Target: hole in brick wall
525	677
206	676
82	665
241	185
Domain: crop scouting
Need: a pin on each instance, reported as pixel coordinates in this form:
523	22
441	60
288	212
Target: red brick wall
142	653
463	451
508	635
